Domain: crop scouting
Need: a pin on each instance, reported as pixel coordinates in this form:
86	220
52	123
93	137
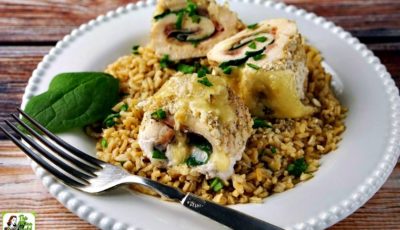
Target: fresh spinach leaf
297	167
74	100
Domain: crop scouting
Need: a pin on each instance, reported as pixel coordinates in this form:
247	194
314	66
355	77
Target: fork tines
74	170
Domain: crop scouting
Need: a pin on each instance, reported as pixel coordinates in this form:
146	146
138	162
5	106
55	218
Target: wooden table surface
28	29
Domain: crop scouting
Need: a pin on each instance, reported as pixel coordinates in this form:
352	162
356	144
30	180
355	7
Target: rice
262	170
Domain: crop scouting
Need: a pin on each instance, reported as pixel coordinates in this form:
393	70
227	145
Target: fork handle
226	216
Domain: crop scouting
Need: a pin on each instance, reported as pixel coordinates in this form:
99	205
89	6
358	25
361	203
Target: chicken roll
189	29
272	69
202	126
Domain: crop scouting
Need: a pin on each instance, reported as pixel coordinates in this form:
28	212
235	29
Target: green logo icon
18	221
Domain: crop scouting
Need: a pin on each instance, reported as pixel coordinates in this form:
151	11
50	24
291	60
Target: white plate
347	178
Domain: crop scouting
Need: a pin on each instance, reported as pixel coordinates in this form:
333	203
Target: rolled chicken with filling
184	29
271	67
202	127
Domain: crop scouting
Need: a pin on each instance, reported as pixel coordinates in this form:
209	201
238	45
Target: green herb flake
185	68
157	154
261	39
203	71
179	20
191	8
104	143
258	57
195	18
227	70
256	67
252	45
205	81
124	107
216	184
109	121
135	49
159	114
260	123
273	149
165	62
252	26
297	167
195	43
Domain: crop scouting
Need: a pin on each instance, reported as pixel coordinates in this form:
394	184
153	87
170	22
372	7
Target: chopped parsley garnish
179	20
124	107
195	43
227	70
202	72
256	67
159	114
135	49
297	167
191	8
109	120
261	39
258	57
104	143
260	123
252	26
252	45
157	154
205	81
216	184
165	62
273	149
195	18
185	68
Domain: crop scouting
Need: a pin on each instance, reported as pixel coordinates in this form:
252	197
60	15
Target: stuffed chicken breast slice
272	68
189	29
201	126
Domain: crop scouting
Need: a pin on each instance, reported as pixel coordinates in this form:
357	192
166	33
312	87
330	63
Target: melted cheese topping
191	102
221	160
275	90
194	98
214	99
179	150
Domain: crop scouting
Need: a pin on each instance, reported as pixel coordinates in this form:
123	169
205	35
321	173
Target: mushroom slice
189	29
211	126
272	82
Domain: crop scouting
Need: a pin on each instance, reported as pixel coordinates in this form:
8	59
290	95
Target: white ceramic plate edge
323	219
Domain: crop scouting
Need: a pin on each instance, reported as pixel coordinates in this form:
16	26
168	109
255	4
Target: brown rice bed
256	175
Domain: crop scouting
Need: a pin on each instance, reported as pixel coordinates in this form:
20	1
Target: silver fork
88	174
